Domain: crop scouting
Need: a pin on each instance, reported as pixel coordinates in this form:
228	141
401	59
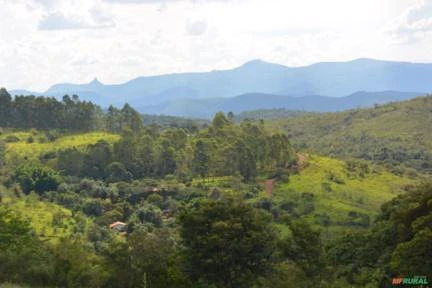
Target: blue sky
43	42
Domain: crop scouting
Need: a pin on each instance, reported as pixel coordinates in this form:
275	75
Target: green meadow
49	221
31	145
338	190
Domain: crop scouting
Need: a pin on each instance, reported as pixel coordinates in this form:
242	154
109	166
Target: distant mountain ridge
206	108
335	79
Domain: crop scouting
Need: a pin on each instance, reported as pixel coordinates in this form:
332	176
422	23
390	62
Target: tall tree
146	156
245	160
131	119
2	153
14	232
166	160
113	119
5	107
304	248
219	121
228	243
201	159
98	156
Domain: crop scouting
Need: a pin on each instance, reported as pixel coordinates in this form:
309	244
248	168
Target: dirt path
301	158
269	184
269	187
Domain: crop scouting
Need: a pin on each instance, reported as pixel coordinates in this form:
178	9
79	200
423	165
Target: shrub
11	139
288	205
326	186
36	178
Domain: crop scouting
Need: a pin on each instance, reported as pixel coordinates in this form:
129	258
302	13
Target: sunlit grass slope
337	190
49	221
32	150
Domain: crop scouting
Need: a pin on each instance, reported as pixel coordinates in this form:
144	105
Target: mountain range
206	108
257	85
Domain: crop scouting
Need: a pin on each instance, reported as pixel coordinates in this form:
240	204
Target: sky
43	42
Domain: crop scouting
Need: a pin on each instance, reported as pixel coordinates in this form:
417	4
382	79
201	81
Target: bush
358	219
323	219
308	208
288	205
51	136
326	186
116	172
44	157
265	204
155	199
11	139
36	178
150	214
332	177
93	208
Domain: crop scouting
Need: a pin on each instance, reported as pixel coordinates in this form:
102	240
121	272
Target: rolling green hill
398	134
49	221
31	145
332	192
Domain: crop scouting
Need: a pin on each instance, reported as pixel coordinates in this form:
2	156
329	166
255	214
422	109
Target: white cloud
196	28
60	21
413	25
74	14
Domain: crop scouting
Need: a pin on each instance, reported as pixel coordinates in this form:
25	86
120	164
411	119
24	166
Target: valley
310	177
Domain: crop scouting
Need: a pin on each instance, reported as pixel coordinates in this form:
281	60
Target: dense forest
270	114
106	199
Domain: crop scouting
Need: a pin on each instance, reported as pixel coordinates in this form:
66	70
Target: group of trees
69	114
223	149
72	114
48	113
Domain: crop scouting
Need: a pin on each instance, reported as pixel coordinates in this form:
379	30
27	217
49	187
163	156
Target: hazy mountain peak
95	81
258	63
255	62
367	60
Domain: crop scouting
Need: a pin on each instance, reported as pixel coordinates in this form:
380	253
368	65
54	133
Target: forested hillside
269	114
125	203
165	121
396	134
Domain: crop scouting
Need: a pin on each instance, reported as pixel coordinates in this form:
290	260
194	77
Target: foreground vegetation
227	205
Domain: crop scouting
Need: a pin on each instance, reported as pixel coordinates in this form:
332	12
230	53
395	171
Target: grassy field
49	221
327	192
24	149
337	190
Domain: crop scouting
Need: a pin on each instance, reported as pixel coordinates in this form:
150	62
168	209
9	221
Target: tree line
72	114
48	113
223	149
